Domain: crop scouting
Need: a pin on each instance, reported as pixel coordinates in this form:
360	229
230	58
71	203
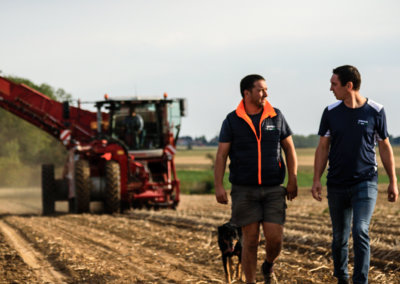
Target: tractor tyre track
44	270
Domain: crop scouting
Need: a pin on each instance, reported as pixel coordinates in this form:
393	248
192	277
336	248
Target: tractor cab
145	126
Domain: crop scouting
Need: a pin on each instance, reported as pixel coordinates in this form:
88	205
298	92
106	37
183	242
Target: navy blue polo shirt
353	134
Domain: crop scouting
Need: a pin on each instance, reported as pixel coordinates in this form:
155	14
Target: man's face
258	94
336	87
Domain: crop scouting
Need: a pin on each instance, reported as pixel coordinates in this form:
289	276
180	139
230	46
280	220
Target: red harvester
121	155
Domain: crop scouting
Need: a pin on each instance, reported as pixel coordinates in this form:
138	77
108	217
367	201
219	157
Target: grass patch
305	179
202	181
193	181
196	151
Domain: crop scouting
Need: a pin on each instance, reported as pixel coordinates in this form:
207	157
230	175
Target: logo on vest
362	122
270	127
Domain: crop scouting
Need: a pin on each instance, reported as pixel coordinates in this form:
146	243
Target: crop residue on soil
179	246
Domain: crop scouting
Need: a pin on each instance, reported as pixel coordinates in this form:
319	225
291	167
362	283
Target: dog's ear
220	229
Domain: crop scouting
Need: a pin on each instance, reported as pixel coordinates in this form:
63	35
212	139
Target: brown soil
169	246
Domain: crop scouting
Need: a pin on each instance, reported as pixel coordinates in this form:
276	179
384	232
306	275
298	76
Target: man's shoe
267	270
343	281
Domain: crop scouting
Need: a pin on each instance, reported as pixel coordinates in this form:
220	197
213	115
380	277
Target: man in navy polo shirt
253	136
348	132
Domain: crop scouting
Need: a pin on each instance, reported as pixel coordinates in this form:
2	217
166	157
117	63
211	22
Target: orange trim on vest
267	112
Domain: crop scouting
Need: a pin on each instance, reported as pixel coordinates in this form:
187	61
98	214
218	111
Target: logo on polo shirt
362	122
271	127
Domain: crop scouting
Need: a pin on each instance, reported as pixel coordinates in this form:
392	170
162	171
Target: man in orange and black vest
252	136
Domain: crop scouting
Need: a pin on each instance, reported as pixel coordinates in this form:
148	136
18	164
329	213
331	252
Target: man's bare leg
250	235
273	245
273	238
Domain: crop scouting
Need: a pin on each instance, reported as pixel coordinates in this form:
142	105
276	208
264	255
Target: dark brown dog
229	241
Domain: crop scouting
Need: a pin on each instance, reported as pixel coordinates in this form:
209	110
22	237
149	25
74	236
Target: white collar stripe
375	105
332	106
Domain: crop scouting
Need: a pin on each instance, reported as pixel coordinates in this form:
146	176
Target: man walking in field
252	137
348	132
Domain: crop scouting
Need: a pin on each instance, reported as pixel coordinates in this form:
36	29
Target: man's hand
387	157
316	190
393	192
291	161
220	194
320	161
291	190
219	171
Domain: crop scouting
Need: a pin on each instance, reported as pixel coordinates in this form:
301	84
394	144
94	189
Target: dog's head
230	235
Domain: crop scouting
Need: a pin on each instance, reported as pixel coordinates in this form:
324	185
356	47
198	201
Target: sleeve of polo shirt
285	129
324	125
381	126
225	134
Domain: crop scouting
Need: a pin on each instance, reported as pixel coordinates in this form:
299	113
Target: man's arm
320	161
386	153
291	161
219	172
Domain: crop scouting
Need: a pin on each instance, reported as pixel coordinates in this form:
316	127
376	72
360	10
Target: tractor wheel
82	186
48	187
112	198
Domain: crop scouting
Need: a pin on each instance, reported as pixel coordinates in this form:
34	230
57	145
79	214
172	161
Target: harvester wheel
82	186
48	187
112	197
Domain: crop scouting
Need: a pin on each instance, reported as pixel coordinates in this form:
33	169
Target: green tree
63	96
301	141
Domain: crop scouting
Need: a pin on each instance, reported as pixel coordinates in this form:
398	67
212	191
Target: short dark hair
348	73
247	82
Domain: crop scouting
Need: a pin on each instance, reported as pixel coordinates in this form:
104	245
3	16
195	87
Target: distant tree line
24	147
300	141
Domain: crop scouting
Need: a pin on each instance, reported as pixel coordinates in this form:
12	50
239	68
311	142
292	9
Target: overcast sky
201	50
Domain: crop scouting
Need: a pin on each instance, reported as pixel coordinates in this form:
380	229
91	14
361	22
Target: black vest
244	152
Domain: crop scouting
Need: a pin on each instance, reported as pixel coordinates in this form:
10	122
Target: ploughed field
169	246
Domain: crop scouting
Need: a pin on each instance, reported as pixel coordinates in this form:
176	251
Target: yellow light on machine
120	152
104	125
93	125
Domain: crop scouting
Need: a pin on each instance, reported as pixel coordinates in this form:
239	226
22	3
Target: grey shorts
252	204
